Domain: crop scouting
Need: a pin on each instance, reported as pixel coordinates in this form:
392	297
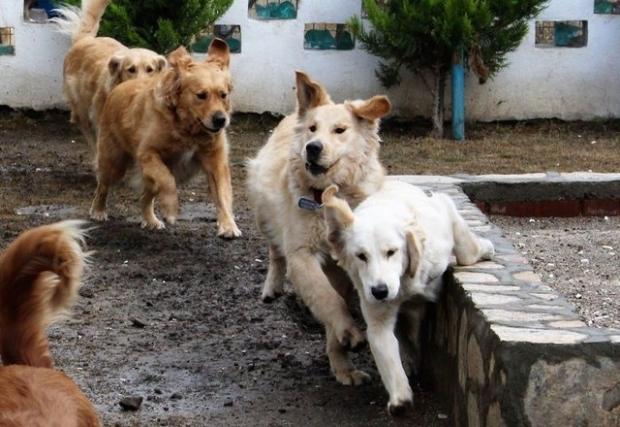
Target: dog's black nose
218	120
313	150
380	291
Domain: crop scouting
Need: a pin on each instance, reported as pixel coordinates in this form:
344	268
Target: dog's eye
390	252
340	130
362	257
149	70
223	95
201	95
312	128
131	69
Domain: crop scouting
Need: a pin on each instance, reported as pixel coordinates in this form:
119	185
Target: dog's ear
115	66
161	63
371	109
219	52
179	58
415	243
338	216
310	94
170	88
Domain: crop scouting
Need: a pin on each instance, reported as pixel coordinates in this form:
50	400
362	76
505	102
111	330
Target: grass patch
520	147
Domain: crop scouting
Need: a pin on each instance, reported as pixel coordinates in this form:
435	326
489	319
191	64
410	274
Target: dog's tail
40	274
79	23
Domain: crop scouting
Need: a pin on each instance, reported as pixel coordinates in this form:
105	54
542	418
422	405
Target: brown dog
321	144
171	126
40	275
94	65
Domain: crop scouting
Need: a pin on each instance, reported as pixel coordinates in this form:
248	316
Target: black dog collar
313	204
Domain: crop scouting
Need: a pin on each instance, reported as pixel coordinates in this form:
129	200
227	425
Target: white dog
396	245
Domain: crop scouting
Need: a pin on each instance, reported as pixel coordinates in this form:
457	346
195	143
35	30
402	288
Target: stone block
462	352
470	277
485	299
574	393
473	412
528	276
539	336
475	364
494	416
506	316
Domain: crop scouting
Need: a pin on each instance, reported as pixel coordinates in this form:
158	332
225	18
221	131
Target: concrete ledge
504	348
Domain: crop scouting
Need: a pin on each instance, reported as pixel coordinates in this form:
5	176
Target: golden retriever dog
40	274
321	144
396	245
171	125
94	65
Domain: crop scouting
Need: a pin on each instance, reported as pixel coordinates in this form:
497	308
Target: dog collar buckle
308	204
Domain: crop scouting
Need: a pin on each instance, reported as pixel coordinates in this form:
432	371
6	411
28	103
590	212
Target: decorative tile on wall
607	6
272	9
230	33
7	41
561	33
322	36
381	3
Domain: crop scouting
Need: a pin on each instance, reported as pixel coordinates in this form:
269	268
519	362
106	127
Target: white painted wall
540	83
32	78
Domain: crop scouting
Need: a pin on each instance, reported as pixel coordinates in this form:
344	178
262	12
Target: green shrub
425	37
160	25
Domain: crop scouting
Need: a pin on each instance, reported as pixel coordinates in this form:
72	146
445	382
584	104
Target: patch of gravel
578	257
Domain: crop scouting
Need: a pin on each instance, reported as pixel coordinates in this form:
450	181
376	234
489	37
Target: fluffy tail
79	23
40	274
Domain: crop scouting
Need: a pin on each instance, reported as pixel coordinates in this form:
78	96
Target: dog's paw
269	296
487	250
153	224
352	377
172	220
399	407
351	338
230	231
98	216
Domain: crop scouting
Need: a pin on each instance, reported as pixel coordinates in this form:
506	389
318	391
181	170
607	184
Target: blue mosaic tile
230	33
272	9
607	7
322	36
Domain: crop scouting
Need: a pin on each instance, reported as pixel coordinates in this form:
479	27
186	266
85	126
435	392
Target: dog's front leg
214	162
158	181
328	306
274	283
381	320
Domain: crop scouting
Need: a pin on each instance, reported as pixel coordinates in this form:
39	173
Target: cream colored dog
395	245
95	65
323	143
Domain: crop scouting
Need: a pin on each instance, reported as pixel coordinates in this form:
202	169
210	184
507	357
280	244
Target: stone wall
505	350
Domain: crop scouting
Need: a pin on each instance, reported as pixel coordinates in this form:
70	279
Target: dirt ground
175	317
578	257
